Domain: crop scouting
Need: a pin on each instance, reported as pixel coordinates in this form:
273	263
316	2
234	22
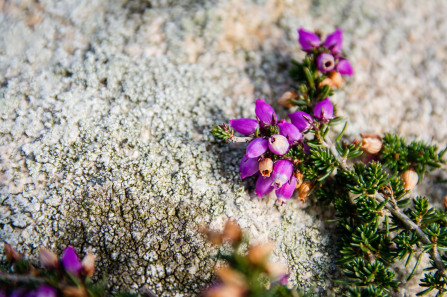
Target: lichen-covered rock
105	108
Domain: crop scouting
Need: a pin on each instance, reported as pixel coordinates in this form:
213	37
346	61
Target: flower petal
325	62
286	191
45	291
290	131
257	147
324	110
344	67
265	113
308	40
248	167
334	41
244	126
279	144
70	261
282	171
263	185
302	120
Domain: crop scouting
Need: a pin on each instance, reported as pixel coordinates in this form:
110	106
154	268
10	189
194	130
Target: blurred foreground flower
248	274
66	276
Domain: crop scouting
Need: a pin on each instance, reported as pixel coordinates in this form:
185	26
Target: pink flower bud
282	171
334	41
303	121
290	131
48	259
244	126
257	147
248	167
70	261
11	254
324	110
265	113
278	144
263	185
344	67
325	62
308	40
88	265
286	191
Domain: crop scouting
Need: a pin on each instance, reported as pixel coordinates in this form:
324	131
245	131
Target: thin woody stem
234	139
436	257
22	278
412	226
328	143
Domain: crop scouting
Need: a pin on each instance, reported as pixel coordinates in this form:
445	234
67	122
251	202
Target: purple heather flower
324	110
265	113
244	126
284	279
303	121
45	291
334	41
263	185
286	191
325	62
248	167
257	147
282	171
70	261
344	67
290	131
308	40
278	144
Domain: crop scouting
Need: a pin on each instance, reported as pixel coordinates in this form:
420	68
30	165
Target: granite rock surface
106	106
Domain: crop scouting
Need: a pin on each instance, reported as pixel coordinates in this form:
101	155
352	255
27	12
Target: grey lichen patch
138	241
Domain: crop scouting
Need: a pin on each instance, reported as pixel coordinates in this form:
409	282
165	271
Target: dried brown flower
266	167
410	178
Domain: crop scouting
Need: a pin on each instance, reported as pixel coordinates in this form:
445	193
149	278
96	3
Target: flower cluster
328	53
246	273
67	276
370	179
267	155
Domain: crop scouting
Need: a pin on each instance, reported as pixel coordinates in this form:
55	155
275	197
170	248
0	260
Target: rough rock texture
105	108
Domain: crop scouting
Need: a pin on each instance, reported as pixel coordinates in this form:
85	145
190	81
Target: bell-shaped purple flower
263	185
282	171
325	62
286	191
265	113
344	67
334	41
302	120
324	110
257	147
45	291
290	131
279	144
244	126
308	40
70	261
248	167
